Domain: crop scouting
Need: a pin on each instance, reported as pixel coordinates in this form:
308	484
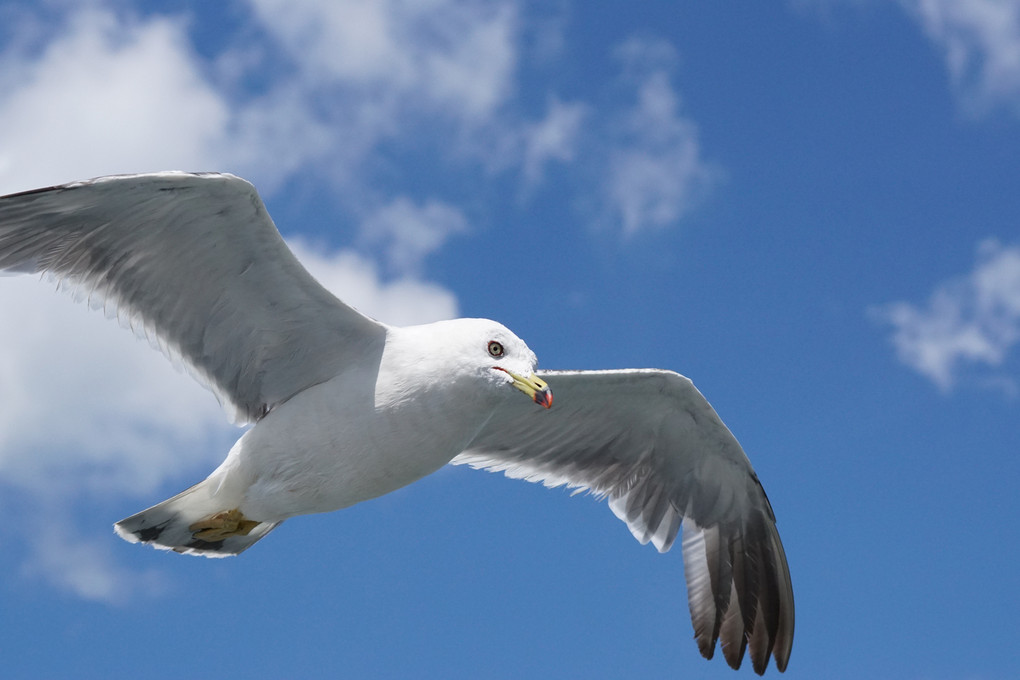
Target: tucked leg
222	525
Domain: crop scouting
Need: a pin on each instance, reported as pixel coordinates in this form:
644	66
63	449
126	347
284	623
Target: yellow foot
222	525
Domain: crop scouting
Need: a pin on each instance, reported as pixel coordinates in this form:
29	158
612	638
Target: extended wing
650	441
195	260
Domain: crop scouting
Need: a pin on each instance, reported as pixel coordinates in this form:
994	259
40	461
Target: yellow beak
533	386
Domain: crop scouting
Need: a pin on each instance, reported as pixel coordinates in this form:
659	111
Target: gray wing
654	446
196	261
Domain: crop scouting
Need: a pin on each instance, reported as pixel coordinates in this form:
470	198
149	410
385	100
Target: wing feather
194	262
650	442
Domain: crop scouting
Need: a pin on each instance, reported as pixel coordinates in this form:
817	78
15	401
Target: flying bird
346	408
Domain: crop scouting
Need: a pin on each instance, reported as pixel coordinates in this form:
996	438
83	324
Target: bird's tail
169	525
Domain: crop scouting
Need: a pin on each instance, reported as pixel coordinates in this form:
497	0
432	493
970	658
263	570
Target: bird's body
338	452
343	441
345	408
331	446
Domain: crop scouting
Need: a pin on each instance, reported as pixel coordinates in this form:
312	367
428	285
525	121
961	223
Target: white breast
350	439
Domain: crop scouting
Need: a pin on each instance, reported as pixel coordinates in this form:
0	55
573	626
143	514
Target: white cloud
968	321
552	138
89	413
441	69
81	565
88	405
981	43
110	94
408	233
655	171
102	91
104	97
457	55
353	278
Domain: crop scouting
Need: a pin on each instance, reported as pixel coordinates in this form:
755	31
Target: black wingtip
753	598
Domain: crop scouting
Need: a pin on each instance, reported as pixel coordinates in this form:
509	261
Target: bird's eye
495	349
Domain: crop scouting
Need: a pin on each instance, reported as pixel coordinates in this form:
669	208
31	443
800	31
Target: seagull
345	408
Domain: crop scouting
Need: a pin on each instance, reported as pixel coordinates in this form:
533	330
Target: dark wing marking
652	444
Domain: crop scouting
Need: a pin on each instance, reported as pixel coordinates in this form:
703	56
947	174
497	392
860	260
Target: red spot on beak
544	398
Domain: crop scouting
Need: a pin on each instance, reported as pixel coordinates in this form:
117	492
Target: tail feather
166	525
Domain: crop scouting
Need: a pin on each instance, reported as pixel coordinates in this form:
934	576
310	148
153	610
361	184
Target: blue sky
808	207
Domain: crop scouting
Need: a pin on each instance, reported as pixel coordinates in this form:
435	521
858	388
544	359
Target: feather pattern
194	262
651	443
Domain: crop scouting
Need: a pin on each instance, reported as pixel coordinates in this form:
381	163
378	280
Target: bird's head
524	378
480	350
503	358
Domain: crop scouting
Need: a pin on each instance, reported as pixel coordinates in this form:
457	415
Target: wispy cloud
89	413
378	72
88	84
404	300
323	86
69	557
554	138
969	321
981	43
407	232
456	55
109	93
655	172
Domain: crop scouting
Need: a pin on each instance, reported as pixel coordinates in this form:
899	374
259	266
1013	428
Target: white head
480	351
